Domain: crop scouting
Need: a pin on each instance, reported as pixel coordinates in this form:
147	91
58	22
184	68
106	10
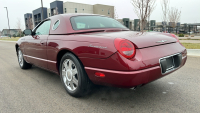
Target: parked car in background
86	49
190	32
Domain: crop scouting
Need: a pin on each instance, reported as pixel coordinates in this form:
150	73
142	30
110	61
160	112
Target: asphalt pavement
37	90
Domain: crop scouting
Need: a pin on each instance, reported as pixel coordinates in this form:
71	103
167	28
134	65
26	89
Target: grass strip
191	45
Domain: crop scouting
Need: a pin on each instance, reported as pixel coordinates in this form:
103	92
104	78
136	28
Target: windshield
94	22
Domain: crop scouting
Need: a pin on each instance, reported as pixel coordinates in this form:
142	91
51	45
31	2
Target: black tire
22	63
84	84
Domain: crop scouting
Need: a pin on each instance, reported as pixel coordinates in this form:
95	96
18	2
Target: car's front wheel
73	76
22	63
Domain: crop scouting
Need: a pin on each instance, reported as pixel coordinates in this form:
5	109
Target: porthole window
57	23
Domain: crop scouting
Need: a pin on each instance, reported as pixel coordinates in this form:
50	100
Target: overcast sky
17	8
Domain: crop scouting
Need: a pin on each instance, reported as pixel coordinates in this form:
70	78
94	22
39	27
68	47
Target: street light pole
8	21
42	10
149	19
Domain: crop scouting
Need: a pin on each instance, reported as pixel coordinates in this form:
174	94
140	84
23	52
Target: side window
44	28
101	25
80	25
57	23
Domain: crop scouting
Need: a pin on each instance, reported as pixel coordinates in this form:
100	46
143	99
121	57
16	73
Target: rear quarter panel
80	46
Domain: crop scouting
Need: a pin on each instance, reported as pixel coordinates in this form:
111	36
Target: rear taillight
176	38
125	48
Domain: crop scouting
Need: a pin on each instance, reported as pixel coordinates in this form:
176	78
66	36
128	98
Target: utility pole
8	21
42	11
148	19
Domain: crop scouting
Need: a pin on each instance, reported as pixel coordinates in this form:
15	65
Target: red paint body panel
144	58
140	40
141	70
119	71
80	45
127	79
36	47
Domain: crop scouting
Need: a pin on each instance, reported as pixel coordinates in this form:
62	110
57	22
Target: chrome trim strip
123	72
184	57
40	59
173	61
162	41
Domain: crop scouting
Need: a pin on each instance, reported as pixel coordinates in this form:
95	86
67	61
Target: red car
86	49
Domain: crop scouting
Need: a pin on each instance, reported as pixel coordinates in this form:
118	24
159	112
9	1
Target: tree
143	9
14	35
30	23
115	13
165	10
56	11
174	16
19	27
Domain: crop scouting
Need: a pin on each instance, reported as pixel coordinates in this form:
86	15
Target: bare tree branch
143	9
19	26
115	13
30	23
174	16
165	10
56	11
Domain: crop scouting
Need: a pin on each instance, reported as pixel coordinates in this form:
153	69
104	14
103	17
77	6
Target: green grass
191	45
10	39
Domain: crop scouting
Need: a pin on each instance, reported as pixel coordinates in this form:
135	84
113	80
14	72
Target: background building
37	15
104	10
28	21
58	7
71	7
126	22
136	25
5	32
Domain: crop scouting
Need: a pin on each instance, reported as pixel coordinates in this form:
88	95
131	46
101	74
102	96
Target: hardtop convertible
87	49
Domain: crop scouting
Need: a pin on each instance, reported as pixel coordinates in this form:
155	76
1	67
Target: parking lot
37	90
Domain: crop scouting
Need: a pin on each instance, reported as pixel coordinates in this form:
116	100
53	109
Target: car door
35	49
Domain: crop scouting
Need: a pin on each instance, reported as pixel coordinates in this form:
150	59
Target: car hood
146	39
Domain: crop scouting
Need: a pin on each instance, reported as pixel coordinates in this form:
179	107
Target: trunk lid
144	40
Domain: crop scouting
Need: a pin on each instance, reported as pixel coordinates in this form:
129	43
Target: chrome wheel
70	74
20	58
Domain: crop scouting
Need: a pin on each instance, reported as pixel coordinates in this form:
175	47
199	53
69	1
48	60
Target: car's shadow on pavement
153	92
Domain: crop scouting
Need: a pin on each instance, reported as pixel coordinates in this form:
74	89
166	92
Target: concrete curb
193	52
190	52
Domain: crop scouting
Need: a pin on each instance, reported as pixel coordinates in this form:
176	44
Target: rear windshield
94	22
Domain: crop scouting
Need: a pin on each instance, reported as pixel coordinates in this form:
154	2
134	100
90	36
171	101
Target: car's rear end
139	59
114	55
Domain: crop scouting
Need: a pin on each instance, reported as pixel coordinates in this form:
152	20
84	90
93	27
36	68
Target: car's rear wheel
22	63
73	76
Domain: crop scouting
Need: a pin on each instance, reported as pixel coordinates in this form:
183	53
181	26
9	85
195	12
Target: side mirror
27	32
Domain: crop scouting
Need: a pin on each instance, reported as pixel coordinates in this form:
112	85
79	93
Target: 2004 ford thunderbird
92	49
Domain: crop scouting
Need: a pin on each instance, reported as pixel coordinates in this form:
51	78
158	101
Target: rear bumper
128	79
